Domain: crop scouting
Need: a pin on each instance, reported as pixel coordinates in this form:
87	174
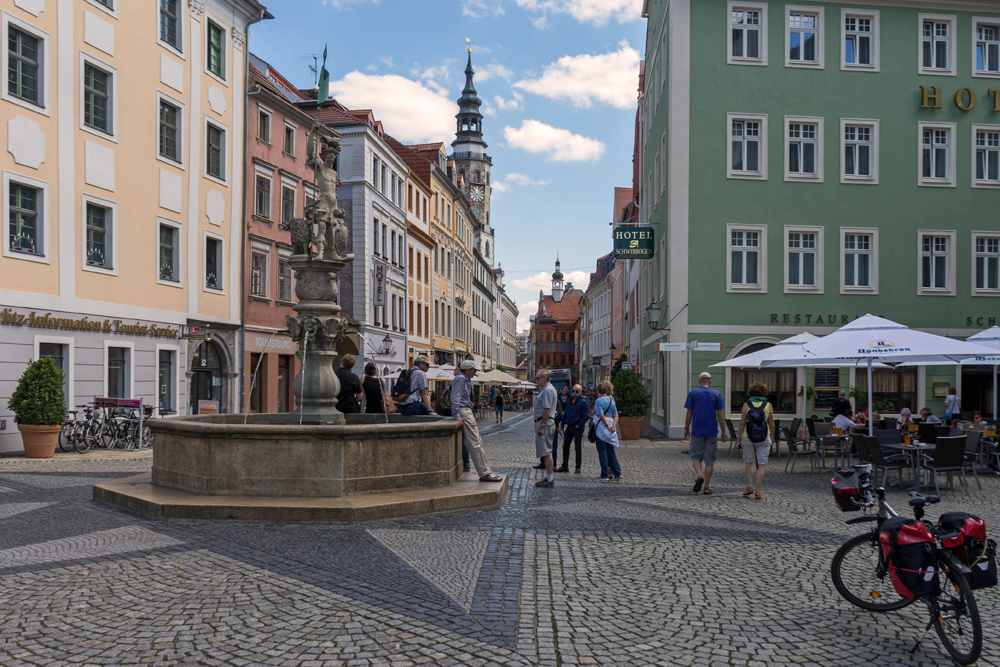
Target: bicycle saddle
920	499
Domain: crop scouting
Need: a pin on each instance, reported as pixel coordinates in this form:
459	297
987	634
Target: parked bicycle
901	561
73	435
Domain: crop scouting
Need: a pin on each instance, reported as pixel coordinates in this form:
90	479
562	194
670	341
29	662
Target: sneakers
490	478
749	491
466	468
615	478
562	469
545	483
697	484
602	479
540	466
577	471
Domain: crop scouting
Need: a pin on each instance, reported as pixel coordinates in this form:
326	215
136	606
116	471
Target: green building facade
805	164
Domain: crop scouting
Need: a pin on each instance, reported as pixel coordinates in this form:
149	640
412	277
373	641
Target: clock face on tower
477	193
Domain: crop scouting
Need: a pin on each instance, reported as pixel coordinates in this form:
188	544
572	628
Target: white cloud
340	4
597	12
492	71
410	110
561	145
505	184
540	22
610	78
478	9
524	311
387	61
515	104
543	281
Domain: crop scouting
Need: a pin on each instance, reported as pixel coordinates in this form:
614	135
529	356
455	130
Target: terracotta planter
629	428
39	441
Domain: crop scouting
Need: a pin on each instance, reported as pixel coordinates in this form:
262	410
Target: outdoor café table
913	452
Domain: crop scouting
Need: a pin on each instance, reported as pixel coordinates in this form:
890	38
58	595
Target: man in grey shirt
419	400
461	404
545	425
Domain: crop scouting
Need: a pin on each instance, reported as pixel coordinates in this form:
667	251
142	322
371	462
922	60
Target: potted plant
632	402
39	408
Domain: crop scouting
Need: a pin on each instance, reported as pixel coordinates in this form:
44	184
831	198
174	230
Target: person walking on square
461	403
705	411
545	426
574	422
498	408
951	406
606	419
756	428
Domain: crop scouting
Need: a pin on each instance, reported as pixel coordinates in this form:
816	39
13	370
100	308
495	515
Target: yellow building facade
123	190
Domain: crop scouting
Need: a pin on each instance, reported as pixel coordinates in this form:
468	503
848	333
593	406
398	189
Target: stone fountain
315	464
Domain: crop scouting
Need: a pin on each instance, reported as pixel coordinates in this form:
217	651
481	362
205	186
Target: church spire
469	130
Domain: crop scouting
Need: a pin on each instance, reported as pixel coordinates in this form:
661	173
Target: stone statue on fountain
319	242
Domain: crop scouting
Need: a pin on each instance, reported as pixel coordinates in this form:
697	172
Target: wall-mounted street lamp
653	316
386	350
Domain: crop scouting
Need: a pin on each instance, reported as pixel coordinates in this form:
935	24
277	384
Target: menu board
827	378
825	399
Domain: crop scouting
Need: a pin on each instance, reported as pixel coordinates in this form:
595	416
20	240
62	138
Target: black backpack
908	547
401	388
977	552
757	422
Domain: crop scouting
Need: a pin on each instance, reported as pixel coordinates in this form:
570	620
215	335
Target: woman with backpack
756	428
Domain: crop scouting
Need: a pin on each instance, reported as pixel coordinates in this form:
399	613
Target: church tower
557	282
471	159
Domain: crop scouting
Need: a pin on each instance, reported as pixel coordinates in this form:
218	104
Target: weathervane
470	42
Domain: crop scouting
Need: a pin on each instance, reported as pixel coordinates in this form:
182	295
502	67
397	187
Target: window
375	172
804	37
170	121
289	146
803	265
215	151
166	385
284	279
393	246
110	4
803	149
859	156
169	253
24	66
859	260
937	263
264	125
986	42
287	204
747	34
410	264
892	390
213	263
118	372
747	147
262	197
97	99
61	355
258	274
215	51
747	258
937	44
170	26
860	43
25	220
99	220
987	269
937	164
781	384
986	154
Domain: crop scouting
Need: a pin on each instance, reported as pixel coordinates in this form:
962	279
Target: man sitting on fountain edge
419	400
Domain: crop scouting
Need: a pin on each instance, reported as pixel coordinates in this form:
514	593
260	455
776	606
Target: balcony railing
483	157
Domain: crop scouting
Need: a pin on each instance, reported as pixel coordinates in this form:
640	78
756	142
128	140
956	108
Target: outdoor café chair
732	436
927	433
830	444
887	436
797	448
948	457
973	455
884	462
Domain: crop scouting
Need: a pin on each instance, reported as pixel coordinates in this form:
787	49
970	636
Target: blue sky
559	80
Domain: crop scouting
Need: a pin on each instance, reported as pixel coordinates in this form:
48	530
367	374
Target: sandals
758	496
707	492
749	491
697	484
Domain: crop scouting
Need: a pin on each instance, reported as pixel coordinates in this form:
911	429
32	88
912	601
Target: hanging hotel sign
634	243
379	284
11	317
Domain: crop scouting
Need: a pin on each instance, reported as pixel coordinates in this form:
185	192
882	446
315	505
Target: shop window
780	386
118	362
167	382
893	390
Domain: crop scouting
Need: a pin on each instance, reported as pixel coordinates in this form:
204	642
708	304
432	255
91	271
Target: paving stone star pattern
636	572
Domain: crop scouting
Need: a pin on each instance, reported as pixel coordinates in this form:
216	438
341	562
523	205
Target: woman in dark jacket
373	389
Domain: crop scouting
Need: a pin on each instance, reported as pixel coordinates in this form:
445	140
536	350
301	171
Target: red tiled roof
420	166
623	197
566	311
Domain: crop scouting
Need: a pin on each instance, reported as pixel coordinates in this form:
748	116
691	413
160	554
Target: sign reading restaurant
11	317
634	243
839	320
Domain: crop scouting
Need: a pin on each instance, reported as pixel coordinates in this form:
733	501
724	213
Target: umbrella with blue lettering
870	340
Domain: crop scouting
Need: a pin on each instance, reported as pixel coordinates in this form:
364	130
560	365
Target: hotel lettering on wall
965	98
634	243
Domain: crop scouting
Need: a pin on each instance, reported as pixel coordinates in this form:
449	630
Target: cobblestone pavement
636	572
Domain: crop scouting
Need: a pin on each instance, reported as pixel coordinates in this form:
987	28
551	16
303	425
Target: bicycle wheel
147	438
66	437
956	619
80	441
855	576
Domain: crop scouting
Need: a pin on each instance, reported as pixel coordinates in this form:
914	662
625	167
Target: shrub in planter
630	394
39	407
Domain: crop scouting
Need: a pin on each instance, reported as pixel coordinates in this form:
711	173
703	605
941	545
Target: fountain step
139	495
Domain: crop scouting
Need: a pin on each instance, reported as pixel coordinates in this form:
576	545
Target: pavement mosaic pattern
636	572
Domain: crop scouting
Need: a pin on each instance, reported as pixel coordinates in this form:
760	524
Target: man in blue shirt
704	407
574	421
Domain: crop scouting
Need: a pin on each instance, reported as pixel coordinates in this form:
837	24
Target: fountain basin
215	467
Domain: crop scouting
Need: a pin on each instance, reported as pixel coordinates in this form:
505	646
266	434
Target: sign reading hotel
379	284
11	317
634	243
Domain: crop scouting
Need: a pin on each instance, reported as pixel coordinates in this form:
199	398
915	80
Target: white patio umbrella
989	338
499	377
869	340
754	359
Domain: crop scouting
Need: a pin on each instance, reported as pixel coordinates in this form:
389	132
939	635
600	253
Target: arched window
477	175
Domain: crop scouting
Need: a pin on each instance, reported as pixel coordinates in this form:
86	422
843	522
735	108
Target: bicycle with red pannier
901	561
